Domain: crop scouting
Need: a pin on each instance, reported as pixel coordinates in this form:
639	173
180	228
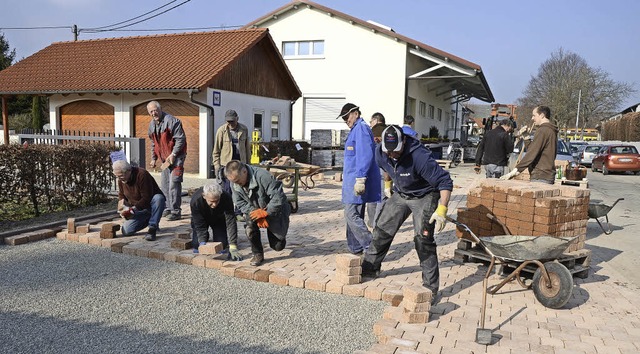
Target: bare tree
558	83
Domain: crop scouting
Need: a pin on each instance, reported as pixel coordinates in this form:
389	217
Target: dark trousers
276	232
219	235
394	212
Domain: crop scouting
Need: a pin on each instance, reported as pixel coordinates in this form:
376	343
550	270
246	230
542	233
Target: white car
589	152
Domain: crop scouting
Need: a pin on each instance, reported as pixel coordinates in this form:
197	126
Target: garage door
321	113
188	115
87	116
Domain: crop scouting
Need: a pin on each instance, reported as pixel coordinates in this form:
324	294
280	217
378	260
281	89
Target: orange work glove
258	214
262	223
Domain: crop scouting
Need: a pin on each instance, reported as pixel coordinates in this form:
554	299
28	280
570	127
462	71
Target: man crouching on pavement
260	197
422	188
140	200
211	207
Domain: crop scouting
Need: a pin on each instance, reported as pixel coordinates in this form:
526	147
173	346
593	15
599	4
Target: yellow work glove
234	254
387	188
511	174
440	217
359	187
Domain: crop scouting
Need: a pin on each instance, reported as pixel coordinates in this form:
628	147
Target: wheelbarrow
598	210
552	282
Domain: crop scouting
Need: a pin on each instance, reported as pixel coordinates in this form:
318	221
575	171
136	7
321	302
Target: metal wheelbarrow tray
552	282
598	210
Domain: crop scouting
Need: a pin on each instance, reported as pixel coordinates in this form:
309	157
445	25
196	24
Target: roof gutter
210	108
69	92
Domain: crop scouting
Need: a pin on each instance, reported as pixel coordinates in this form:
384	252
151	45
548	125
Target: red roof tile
145	63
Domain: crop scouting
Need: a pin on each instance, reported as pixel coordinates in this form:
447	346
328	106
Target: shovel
483	335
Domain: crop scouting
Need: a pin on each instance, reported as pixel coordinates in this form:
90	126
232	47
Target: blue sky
508	39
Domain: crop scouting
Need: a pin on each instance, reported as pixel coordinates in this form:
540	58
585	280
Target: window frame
312	48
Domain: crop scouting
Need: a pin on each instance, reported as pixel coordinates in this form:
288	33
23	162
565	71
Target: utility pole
575	136
75	33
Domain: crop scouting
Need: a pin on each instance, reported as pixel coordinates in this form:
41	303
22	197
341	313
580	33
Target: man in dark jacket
140	200
422	188
540	156
494	149
211	207
169	144
260	197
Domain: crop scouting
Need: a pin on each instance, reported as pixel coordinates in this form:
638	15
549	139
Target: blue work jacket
359	161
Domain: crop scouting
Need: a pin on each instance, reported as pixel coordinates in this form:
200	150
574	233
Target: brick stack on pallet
528	209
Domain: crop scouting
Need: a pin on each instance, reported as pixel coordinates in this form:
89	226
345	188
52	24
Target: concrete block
16	240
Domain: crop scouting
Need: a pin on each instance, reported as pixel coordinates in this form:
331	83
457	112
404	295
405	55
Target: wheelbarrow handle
464	227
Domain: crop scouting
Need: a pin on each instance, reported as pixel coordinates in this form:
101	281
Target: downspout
5	120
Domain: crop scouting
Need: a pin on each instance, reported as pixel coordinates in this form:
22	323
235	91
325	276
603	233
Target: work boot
173	216
166	212
257	259
151	234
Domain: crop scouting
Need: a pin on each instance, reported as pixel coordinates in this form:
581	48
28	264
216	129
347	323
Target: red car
617	158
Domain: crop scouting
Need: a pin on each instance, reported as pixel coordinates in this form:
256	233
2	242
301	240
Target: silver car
586	156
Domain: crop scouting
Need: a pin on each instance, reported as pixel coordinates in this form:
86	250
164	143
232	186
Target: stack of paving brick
414	307
108	230
348	269
182	241
526	208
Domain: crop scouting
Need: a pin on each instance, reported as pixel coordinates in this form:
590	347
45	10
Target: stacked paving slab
526	208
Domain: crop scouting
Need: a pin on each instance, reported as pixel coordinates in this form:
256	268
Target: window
423	109
431	111
257	121
275	123
440	114
303	49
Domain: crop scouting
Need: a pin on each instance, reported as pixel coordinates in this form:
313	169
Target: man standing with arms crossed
169	144
422	188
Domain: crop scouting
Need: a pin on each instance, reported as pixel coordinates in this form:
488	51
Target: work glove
511	174
387	188
234	254
219	174
262	223
258	214
127	213
440	217
359	187
477	169
521	131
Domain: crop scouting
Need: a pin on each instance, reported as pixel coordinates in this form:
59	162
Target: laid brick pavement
602	314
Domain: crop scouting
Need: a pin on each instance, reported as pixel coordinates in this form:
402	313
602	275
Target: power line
178	29
34	28
131	24
134	18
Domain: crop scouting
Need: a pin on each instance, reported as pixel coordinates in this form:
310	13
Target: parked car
617	158
576	147
563	153
589	152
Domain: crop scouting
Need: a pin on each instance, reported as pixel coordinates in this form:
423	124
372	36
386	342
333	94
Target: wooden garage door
188	115
87	116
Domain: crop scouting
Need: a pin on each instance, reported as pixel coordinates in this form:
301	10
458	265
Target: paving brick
181	244
71	225
16	240
348	271
158	253
297	281
171	256
346	260
228	269
130	249
417	294
262	275
380	324
185	257
210	248
95	240
392	296
279	278
245	272
83	229
72	237
62	235
183	235
354	290
316	283
415	317
83	238
416	306
348	279
117	246
373	292
405	343
216	262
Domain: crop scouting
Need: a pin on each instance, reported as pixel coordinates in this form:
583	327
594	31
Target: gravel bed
62	297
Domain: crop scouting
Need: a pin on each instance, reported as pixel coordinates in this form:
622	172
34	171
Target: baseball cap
392	139
230	115
346	109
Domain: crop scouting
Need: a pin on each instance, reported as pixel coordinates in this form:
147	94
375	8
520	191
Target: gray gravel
62	297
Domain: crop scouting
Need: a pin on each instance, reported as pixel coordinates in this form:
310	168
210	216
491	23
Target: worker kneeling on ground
420	187
211	207
260	197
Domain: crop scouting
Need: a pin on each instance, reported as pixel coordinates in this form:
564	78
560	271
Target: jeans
219	234
171	185
358	235
145	217
394	212
495	171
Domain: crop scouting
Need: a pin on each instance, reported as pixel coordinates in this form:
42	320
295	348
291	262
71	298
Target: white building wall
363	67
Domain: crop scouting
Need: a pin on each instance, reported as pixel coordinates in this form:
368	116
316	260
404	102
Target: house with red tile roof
103	85
338	58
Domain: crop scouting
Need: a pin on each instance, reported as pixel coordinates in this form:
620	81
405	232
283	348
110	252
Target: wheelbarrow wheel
287	181
556	294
